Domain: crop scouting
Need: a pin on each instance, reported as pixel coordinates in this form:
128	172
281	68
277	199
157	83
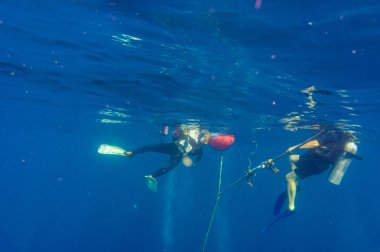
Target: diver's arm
309	145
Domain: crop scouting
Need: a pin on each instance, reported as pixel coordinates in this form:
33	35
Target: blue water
76	74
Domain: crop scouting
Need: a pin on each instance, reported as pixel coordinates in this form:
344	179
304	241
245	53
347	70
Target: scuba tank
340	167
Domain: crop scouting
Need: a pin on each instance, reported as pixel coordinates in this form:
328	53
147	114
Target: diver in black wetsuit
187	141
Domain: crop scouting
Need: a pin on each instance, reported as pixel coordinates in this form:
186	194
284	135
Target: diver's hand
289	150
187	161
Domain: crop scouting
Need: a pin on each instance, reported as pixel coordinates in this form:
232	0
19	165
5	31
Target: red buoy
222	142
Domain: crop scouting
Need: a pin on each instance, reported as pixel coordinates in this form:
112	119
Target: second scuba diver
187	141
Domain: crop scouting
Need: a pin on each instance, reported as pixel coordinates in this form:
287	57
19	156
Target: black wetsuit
319	159
175	151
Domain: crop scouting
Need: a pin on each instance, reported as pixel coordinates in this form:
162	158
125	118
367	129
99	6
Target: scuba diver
187	141
333	148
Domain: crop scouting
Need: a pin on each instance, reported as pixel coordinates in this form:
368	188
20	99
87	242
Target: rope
215	204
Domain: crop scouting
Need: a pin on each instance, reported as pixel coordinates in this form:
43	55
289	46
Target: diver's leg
291	180
293	159
165	148
173	162
151	179
292	189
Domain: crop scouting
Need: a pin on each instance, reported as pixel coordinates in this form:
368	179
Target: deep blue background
70	80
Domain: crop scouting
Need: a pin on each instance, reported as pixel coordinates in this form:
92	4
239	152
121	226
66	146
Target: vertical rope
215	204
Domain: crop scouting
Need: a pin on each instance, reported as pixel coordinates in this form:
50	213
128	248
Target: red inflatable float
222	143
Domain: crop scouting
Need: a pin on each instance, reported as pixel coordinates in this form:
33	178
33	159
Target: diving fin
111	150
280	202
151	183
281	216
